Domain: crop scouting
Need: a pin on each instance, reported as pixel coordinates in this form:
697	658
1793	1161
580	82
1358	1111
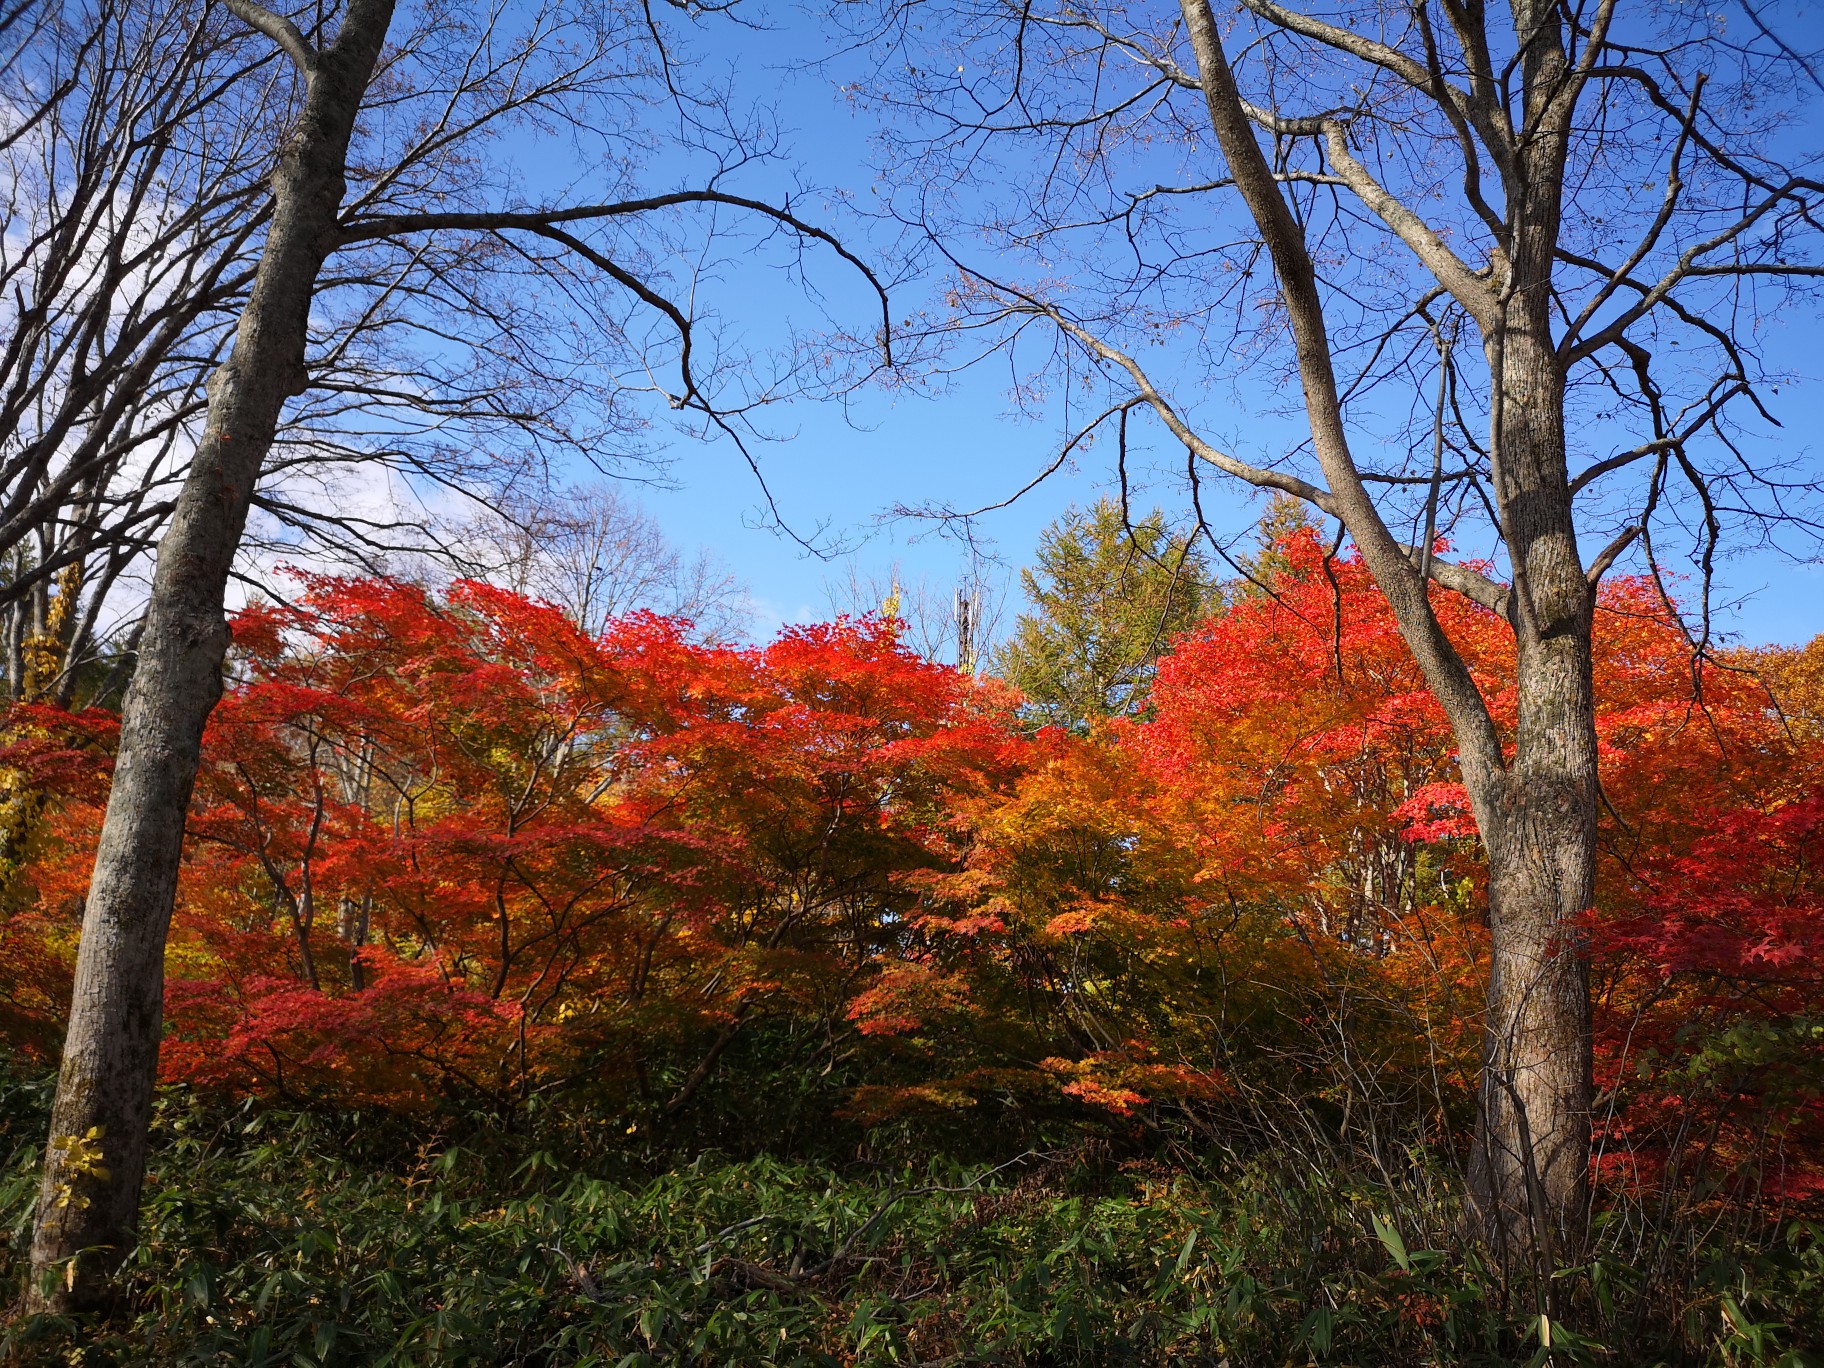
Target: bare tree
950	621
1513	266
380	195
447	367
134	198
598	555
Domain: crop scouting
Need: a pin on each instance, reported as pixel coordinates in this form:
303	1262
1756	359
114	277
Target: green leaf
1395	1245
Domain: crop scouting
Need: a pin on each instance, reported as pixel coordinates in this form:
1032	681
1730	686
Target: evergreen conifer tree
1106	599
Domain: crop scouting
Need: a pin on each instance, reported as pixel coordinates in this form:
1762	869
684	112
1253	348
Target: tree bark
95	1161
1529	1168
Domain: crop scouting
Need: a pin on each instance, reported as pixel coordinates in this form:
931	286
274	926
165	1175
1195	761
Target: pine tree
1106	600
1284	518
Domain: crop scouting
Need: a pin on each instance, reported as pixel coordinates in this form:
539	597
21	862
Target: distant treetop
1105	600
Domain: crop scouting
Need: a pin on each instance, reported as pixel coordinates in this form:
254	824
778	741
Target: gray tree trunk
1537	810
95	1163
1529	1169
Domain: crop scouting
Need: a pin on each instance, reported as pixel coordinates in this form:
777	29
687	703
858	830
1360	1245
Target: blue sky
845	470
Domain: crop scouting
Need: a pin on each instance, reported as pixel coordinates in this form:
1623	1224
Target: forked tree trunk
1536	808
1529	1169
95	1162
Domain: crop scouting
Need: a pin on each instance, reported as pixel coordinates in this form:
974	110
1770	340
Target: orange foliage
453	846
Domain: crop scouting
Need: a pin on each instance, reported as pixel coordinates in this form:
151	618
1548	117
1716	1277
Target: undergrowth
274	1239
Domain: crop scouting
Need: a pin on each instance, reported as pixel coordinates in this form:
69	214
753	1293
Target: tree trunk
95	1161
1529	1170
1529	1178
1530	1162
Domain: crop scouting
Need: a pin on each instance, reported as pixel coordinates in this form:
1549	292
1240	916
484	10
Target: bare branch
281	30
541	220
1393	567
1466	287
